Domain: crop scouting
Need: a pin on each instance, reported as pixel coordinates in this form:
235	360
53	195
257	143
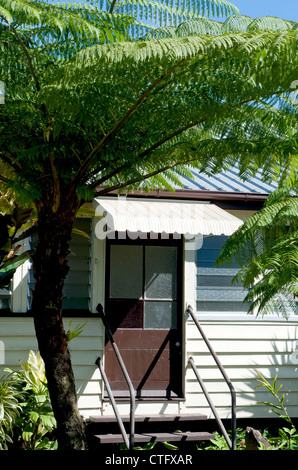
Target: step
157	437
150	419
185	428
98	425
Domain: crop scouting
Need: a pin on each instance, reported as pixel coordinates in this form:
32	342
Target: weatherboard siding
18	337
77	287
85	349
243	343
243	348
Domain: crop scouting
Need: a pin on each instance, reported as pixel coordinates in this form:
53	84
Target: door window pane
160	315
126	272
160	272
125	314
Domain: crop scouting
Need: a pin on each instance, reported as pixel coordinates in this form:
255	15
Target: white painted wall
18	337
243	347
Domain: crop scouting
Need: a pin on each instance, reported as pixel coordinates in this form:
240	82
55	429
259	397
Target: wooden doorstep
150	419
157	437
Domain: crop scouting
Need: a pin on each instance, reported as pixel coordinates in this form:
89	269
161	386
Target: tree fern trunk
50	269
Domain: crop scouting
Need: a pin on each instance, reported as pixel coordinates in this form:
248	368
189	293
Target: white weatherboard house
144	282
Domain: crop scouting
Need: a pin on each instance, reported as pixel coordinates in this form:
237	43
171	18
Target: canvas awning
151	215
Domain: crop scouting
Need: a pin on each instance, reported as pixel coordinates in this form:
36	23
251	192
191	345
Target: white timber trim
189	274
98	267
19	296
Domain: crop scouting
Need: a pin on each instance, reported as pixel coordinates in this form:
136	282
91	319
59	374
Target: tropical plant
288	437
285	438
219	442
9	411
71	334
34	425
85	115
266	249
278	407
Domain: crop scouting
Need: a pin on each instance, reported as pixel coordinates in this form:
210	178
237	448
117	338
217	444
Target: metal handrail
98	362
232	445
130	446
205	391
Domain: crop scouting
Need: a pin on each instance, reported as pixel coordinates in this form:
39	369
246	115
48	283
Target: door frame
158	240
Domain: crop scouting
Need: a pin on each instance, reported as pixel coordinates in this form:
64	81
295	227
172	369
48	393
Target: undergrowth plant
9	412
219	442
33	426
288	436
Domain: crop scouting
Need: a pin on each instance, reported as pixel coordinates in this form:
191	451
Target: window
215	292
143	286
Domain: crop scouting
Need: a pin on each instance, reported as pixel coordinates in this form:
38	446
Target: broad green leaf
34	416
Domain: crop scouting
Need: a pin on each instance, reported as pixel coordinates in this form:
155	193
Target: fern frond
6	14
236	23
266	249
270	23
204	94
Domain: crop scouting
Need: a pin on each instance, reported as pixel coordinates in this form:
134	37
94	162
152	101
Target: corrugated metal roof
152	215
228	181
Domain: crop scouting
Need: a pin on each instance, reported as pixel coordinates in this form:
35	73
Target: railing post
113	402
205	391
99	309
223	372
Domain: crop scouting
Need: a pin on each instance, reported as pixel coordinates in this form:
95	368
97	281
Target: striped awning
151	215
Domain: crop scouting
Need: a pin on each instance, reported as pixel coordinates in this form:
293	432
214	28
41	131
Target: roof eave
195	195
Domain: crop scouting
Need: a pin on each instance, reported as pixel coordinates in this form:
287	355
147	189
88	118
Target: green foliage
75	332
13	229
288	437
17	224
35	423
201	26
84	111
148	446
266	249
219	442
278	408
9	411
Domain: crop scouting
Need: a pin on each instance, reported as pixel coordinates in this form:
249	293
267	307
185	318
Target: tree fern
205	93
233	24
168	13
266	249
85	115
